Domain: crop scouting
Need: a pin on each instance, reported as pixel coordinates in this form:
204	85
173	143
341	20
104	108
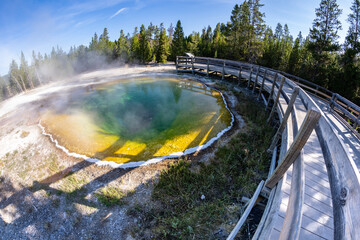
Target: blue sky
27	25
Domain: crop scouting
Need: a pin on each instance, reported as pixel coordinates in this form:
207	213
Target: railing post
262	84
223	71
285	119
311	119
240	77
277	99
246	213
333	100
207	68
356	122
177	63
256	79
271	92
317	89
251	70
192	65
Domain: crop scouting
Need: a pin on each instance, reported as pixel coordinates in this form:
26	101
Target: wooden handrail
276	99
310	121
309	86
284	121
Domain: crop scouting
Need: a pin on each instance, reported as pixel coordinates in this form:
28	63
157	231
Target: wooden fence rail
311	119
310	87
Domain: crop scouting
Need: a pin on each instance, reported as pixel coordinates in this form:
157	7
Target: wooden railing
343	174
350	116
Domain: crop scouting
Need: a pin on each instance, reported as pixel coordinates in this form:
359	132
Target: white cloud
91	6
118	12
86	22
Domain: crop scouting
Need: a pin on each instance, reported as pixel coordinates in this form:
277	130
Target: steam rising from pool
138	121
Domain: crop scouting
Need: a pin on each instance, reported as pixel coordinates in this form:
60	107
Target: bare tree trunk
38	76
9	91
19	85
23	83
30	80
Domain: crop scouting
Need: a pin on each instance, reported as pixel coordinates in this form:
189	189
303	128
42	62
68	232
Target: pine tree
177	47
286	48
323	41
148	54
4	90
156	40
192	43
278	32
163	46
135	46
349	83
142	43
144	46
16	86
105	45
353	36
94	44
326	25
24	72
36	62
294	59
205	45
171	33
247	31
219	42
151	31
256	31
235	31
301	39
269	44
240	27
348	86
277	50
122	46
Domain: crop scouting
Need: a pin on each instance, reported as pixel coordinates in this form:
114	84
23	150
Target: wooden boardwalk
317	216
325	173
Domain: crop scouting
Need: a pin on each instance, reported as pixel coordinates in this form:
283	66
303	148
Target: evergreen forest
318	57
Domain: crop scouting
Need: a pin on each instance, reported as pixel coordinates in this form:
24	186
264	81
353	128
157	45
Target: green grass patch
54	166
110	196
235	172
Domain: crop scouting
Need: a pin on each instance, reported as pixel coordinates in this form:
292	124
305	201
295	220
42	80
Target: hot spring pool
135	120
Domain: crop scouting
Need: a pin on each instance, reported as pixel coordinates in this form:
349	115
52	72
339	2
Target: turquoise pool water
136	119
